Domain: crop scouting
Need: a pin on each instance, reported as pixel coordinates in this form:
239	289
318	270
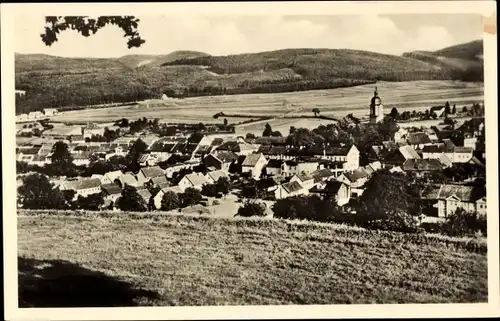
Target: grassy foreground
117	259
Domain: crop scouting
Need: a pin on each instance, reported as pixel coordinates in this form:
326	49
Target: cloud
228	35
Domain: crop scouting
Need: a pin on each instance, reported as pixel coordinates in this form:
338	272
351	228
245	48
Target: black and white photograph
176	157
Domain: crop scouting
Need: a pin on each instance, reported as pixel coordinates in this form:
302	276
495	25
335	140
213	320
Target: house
222	160
128	179
146	159
22	117
305	180
438	110
76	138
321	175
470	141
238	147
400	155
348	155
373	167
50	112
40	160
298	167
160	182
418	140
111	192
159	196
92	129
145	174
340	191
355	179
35	115
110	177
445	160
422	165
400	135
253	164
194	180
275	166
84	187
213	177
455	153
462	154
275	152
289	189
176	168
145	194
450	197
82	159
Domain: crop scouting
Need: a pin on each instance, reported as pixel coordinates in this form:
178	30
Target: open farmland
117	259
413	95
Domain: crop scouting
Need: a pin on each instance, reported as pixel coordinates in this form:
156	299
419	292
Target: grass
198	260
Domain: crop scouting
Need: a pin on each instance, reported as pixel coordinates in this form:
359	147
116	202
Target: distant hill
65	82
135	61
465	57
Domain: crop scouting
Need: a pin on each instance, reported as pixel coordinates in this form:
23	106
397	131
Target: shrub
251	208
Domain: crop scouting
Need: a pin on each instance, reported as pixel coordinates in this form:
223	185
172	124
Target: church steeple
376	108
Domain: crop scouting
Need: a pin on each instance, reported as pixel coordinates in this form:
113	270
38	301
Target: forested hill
67	82
467	57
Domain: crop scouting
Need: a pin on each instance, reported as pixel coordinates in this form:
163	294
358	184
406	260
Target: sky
224	35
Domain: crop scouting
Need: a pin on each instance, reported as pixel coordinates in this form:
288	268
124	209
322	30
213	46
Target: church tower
376	108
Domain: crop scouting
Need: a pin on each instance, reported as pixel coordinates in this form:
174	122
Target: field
118	259
415	95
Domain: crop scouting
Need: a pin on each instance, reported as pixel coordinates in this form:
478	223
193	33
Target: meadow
124	259
413	95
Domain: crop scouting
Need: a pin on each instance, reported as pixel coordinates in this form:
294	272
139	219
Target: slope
199	260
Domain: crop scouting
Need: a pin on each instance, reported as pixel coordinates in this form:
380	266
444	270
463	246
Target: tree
316	111
209	190
434	115
387	202
464	109
394	113
61	157
267	131
37	192
251	208
292	130
447	109
250	136
130	200
427	114
134	153
454	109
86	26
225	122
462	222
92	202
191	196
222	185
170	201
276	134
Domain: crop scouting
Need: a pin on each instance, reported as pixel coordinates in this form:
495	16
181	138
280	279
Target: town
370	173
